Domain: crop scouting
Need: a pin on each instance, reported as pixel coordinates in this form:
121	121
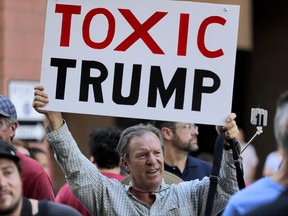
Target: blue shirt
259	193
194	169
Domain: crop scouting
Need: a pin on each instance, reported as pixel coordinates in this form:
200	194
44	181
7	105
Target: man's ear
13	129
125	165
167	133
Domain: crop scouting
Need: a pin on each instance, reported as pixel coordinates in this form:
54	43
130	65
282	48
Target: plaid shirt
104	196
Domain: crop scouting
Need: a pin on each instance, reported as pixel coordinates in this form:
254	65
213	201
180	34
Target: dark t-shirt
36	182
49	208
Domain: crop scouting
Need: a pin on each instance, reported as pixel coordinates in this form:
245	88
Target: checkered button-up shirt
104	196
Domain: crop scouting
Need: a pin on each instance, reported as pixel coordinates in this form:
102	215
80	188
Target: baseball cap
8	151
7	108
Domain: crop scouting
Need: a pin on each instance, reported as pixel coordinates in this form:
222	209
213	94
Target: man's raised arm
40	100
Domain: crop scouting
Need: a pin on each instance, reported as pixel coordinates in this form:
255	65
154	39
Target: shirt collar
161	188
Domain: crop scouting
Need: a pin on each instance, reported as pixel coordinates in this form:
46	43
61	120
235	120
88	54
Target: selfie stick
258	132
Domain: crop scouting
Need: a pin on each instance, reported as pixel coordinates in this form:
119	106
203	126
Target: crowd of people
25	188
254	199
102	147
144	153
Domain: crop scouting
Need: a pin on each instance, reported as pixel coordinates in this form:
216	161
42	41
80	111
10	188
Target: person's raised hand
41	100
230	128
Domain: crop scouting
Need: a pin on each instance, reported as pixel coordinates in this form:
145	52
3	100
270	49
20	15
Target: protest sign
162	60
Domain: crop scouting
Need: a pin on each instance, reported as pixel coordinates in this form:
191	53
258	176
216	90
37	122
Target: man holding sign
141	148
103	56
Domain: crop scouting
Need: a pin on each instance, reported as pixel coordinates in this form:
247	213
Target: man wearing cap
36	183
12	202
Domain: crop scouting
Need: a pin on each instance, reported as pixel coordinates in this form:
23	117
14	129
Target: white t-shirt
250	160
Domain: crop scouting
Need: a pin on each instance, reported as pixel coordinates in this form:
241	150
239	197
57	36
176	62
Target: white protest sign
160	60
21	94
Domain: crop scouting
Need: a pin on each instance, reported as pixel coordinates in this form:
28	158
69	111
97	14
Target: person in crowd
12	201
22	146
102	146
277	207
272	162
180	140
36	182
41	157
268	188
141	148
250	158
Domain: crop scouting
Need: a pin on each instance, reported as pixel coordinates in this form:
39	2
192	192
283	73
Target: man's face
10	187
5	132
185	137
42	159
146	162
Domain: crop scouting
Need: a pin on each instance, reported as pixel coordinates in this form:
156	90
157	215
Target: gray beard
194	148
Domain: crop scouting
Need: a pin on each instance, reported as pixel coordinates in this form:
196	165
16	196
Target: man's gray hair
281	122
136	131
10	121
